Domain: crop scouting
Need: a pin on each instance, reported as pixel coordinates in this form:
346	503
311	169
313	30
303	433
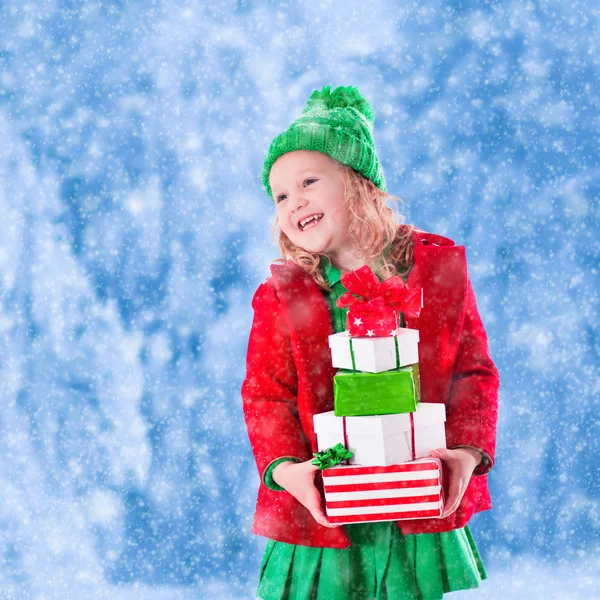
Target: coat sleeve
472	409
270	388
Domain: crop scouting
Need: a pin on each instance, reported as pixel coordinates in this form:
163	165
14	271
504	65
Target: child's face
308	184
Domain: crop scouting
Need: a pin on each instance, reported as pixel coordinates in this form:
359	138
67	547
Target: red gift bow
366	291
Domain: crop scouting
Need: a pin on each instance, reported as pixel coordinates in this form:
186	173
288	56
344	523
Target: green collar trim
332	275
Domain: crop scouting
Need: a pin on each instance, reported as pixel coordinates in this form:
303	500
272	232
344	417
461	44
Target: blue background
134	231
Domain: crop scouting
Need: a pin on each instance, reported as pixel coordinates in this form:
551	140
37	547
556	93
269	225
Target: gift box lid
427	413
344	336
421	468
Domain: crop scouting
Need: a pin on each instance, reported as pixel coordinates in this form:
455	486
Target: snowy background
134	231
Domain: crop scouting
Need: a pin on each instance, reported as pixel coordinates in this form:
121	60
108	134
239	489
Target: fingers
442	453
452	496
313	504
455	495
452	501
308	495
459	473
321	518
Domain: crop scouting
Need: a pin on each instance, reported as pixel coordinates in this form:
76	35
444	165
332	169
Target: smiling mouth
309	222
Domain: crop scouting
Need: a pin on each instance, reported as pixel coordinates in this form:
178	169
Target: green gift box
357	394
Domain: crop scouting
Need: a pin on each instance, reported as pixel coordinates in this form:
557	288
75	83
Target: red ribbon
345	437
365	290
412	437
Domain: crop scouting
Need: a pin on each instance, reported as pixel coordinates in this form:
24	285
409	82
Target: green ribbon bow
331	456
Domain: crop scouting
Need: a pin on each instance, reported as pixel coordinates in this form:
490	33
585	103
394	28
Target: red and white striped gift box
410	490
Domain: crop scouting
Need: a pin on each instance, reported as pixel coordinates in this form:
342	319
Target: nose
298	201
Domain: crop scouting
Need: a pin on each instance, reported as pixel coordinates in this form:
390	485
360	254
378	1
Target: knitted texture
338	123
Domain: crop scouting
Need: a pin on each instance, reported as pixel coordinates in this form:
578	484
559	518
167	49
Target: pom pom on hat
342	97
338	123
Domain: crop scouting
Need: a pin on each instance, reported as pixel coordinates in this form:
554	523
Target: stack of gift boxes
377	415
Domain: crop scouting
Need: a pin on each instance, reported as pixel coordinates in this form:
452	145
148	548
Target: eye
307	180
281	197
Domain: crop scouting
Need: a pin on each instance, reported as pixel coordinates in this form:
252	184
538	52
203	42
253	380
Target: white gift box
359	494
375	354
384	439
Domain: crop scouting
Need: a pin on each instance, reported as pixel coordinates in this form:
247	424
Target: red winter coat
290	378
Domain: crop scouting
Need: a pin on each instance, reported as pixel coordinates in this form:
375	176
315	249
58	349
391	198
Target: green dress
382	562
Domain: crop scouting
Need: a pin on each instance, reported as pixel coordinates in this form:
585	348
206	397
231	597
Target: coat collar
420	238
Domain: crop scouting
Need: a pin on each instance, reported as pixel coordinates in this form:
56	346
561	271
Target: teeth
304	222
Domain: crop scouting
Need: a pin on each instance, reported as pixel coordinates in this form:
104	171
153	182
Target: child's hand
299	480
461	463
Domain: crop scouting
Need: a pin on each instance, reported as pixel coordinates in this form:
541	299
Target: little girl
328	187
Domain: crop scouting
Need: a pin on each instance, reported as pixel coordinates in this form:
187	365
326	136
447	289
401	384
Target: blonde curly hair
374	227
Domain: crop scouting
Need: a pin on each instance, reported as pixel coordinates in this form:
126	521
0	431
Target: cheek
341	215
280	214
283	221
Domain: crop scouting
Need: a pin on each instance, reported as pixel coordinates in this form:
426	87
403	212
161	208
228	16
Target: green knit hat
338	123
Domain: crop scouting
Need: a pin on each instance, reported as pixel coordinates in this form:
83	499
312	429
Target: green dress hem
382	563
